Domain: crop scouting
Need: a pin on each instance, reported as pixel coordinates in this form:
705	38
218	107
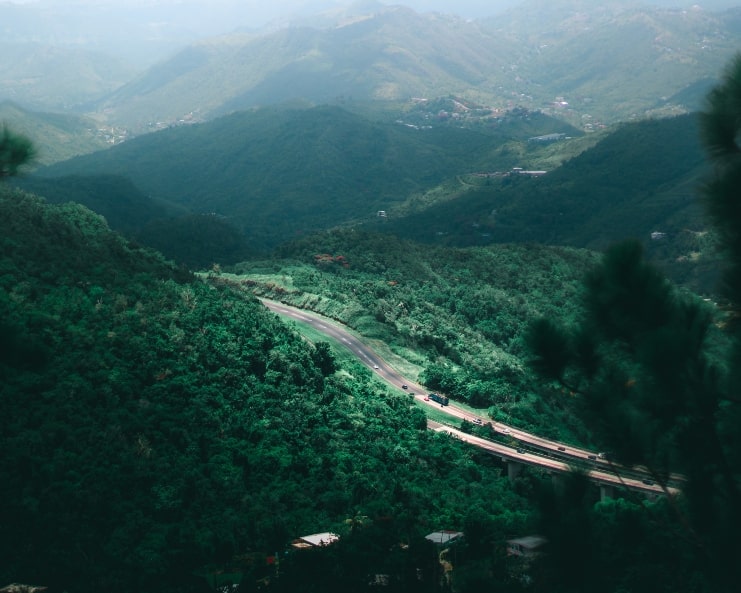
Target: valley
370	297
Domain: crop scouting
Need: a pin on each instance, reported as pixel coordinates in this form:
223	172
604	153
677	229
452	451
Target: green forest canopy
155	423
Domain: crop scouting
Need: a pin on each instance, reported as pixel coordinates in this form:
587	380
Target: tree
15	151
323	358
655	379
720	126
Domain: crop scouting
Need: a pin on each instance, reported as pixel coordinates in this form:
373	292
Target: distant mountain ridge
389	55
44	77
587	63
584	62
621	56
276	175
58	136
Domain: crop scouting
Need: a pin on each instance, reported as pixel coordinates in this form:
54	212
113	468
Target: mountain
626	185
58	136
390	54
643	180
273	175
618	60
589	63
47	77
279	173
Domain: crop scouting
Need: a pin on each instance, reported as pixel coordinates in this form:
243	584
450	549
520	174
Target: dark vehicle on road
441	399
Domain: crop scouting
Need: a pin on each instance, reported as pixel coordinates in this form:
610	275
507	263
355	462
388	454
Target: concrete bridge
610	477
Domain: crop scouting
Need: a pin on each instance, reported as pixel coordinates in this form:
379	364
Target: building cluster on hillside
112	134
548	138
513	171
453	109
20	588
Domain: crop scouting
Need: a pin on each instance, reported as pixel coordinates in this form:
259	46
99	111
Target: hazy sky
264	10
143	31
259	12
110	25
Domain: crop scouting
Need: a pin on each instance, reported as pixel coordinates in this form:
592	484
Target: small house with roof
315	540
528	547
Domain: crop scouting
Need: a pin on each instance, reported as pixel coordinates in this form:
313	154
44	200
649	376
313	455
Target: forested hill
255	180
57	136
158	428
458	315
643	178
589	61
278	173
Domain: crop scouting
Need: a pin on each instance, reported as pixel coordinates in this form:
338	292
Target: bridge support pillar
513	470
558	482
606	491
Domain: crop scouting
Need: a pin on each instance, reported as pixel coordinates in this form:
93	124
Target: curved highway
544	453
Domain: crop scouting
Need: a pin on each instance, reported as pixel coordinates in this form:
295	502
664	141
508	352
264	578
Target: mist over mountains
587	62
503	206
370	108
366	108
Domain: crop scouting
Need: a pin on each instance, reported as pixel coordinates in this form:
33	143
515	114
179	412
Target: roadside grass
437	415
343	355
406	362
406	368
346	359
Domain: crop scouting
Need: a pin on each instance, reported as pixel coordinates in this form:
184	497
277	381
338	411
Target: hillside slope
618	60
278	173
158	430
274	175
46	77
124	206
58	136
643	178
587	62
387	54
459	315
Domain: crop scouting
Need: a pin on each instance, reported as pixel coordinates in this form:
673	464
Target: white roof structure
529	545
443	537
315	540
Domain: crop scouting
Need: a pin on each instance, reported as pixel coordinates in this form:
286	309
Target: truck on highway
441	399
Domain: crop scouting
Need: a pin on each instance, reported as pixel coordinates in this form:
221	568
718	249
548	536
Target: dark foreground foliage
157	429
16	151
655	374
